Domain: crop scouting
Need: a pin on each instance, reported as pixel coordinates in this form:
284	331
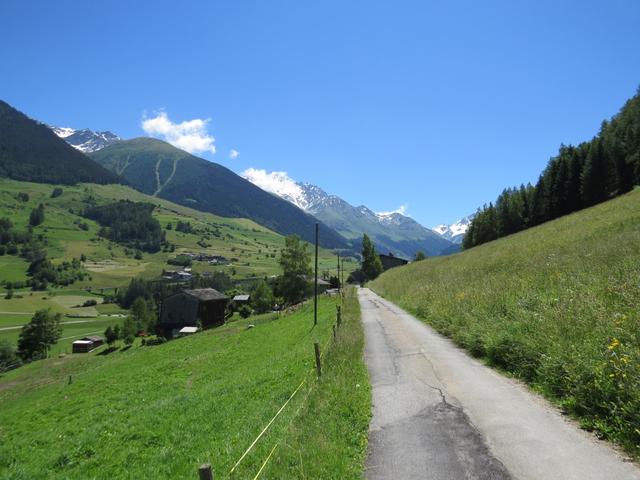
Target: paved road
439	414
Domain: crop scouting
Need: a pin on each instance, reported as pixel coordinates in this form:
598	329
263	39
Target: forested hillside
578	177
30	151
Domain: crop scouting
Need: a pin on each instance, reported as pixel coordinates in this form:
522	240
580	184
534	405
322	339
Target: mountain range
28	149
391	232
85	140
157	168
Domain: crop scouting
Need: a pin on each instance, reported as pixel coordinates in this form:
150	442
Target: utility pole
315	283
342	282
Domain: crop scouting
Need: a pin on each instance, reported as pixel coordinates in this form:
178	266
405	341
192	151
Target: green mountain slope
157	168
30	151
555	305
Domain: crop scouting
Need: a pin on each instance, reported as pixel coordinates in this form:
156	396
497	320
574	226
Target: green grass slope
556	305
158	412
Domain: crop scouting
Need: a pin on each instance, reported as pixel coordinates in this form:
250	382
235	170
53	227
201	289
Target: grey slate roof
94	338
206	294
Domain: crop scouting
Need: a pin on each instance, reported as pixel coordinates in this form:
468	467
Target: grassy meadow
557	306
252	249
158	412
328	438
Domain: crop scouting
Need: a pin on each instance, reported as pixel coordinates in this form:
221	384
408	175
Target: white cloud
233	154
402	210
190	135
279	183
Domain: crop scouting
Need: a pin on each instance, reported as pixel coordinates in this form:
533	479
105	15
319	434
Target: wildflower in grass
615	343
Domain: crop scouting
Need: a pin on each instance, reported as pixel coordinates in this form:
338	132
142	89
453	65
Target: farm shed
323	285
390	261
186	308
86	344
241	299
188	330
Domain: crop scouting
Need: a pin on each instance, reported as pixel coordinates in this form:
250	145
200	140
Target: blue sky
432	105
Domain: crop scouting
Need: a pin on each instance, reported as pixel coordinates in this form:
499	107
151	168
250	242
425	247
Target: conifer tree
593	175
371	264
39	334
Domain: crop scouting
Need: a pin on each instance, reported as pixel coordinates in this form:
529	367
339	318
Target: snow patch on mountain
278	183
454	232
312	198
85	140
63	132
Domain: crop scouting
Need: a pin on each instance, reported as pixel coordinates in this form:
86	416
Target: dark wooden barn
86	344
186	308
389	261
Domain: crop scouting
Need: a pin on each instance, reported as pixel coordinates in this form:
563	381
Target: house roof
206	294
310	278
188	329
94	338
82	342
392	257
241	298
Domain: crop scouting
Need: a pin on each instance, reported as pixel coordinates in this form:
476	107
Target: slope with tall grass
158	412
557	306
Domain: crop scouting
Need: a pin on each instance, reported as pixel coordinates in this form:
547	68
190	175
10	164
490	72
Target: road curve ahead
439	414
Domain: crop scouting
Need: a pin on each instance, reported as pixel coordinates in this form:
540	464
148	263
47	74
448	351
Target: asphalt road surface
440	414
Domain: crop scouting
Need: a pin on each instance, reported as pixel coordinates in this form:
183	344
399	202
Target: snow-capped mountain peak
455	232
391	231
63	132
85	140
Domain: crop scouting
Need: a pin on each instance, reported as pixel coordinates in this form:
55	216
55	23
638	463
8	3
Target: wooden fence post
316	346
339	314
334	332
205	472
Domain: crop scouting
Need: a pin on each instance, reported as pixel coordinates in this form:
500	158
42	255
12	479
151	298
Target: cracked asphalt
439	414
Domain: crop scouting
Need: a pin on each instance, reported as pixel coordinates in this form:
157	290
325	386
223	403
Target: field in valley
252	250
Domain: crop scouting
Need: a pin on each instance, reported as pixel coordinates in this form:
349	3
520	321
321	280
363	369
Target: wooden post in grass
334	332
339	282
342	281
205	472
339	314
316	347
315	283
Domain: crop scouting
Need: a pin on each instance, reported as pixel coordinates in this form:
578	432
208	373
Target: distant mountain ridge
30	151
85	140
455	232
390	232
157	168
